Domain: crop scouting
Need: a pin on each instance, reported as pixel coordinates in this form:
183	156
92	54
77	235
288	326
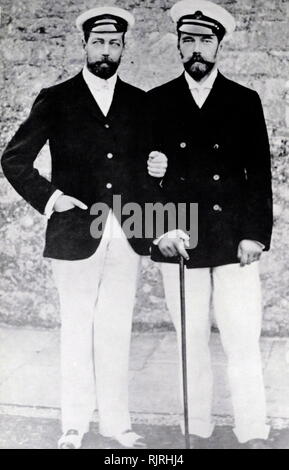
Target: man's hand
157	164
249	251
65	203
173	244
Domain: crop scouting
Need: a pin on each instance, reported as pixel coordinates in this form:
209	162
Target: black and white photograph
144	250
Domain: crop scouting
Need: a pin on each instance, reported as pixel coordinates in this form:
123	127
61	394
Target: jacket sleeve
22	150
258	220
148	191
162	203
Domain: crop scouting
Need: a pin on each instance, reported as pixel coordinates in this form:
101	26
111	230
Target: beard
104	68
197	67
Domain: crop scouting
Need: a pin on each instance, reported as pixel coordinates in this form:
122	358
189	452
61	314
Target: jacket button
109	155
216	177
109	185
216	147
106	126
183	145
217	208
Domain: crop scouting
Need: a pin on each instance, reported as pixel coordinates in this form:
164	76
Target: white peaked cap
208	9
102	11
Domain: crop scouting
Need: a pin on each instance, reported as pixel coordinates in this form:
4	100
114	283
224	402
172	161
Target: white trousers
236	296
97	299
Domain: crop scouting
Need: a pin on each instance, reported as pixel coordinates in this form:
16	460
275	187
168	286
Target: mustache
196	58
105	60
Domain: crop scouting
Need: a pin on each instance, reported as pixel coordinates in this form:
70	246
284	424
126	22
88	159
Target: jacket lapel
84	99
216	98
120	101
188	105
215	112
183	97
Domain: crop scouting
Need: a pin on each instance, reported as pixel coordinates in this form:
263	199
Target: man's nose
105	49
197	46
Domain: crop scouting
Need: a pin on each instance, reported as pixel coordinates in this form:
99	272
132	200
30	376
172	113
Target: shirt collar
96	83
207	84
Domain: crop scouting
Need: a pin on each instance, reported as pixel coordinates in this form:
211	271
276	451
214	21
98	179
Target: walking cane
184	351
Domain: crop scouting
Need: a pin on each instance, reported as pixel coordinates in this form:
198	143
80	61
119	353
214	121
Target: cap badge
198	15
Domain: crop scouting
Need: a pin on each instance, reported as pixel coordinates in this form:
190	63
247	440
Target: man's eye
115	44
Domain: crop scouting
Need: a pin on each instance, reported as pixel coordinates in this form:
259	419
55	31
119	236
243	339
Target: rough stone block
255	63
15	52
269	35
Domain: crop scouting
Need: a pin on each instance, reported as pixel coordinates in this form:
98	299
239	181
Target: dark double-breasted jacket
93	159
219	158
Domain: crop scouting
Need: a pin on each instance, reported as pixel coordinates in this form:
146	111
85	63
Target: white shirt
102	91
201	91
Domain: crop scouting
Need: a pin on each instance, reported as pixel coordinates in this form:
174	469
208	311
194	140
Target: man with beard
96	130
213	132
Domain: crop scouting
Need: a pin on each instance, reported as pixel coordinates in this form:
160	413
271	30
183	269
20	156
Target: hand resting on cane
174	243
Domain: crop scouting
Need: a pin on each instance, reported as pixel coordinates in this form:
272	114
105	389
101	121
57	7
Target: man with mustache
213	132
97	135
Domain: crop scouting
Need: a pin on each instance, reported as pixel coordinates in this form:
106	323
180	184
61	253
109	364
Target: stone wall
41	46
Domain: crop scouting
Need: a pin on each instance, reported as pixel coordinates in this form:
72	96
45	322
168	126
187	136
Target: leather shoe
129	439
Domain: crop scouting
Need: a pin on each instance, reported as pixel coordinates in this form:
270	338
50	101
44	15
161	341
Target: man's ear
178	38
220	45
83	43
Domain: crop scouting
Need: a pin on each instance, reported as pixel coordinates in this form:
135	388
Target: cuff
157	240
177	233
261	244
48	211
255	241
